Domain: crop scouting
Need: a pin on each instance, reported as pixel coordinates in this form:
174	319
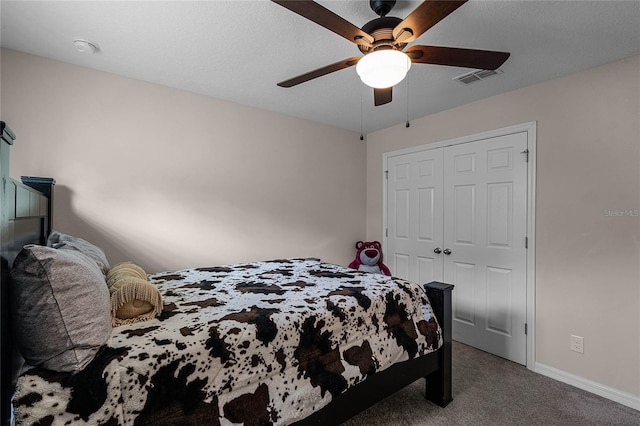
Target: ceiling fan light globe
383	68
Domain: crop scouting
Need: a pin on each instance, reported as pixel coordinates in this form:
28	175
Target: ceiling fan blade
326	18
457	57
346	63
382	96
424	17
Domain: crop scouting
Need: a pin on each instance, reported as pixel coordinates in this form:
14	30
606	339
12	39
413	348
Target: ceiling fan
383	40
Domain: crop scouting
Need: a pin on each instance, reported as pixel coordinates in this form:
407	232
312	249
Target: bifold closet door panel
485	224
415	215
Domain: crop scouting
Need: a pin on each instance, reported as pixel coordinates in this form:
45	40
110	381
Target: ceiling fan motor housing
381	29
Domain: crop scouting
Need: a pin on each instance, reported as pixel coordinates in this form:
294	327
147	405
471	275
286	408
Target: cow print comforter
255	343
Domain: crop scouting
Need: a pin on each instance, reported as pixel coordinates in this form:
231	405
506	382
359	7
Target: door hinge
526	329
386	232
526	155
386	174
526	242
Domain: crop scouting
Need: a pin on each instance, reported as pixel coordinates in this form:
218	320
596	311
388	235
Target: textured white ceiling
238	50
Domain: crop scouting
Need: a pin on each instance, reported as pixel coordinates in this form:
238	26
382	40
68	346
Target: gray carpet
488	390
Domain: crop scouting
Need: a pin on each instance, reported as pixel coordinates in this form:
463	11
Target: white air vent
473	76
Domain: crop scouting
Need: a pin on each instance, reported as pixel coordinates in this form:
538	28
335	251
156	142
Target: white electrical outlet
576	344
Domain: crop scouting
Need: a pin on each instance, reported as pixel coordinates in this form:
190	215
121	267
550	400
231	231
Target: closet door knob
447	252
437	250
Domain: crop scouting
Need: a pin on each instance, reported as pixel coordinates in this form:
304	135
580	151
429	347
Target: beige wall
170	179
588	162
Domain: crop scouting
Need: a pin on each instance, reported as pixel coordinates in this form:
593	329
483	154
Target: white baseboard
616	395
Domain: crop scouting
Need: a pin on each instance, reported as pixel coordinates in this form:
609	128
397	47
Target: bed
286	341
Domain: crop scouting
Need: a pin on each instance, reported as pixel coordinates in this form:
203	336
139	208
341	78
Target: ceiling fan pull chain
361	115
407	124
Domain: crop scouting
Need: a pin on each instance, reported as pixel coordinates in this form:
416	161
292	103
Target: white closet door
485	190
414	216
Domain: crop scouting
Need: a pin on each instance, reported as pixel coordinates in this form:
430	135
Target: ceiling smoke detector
84	46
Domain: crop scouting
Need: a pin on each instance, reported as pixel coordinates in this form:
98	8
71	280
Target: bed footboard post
438	387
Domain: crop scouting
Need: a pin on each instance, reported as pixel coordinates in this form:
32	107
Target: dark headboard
25	219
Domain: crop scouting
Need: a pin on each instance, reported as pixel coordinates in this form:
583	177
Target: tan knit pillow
133	309
124	269
134	300
133	297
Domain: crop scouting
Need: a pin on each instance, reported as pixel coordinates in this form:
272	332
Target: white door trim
530	129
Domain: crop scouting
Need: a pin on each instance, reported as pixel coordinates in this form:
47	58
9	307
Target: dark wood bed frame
27	219
26	213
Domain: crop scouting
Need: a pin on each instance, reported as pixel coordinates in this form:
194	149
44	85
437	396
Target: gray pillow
67	242
61	307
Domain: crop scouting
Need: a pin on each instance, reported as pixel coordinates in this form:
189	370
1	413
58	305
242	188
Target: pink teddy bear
369	258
